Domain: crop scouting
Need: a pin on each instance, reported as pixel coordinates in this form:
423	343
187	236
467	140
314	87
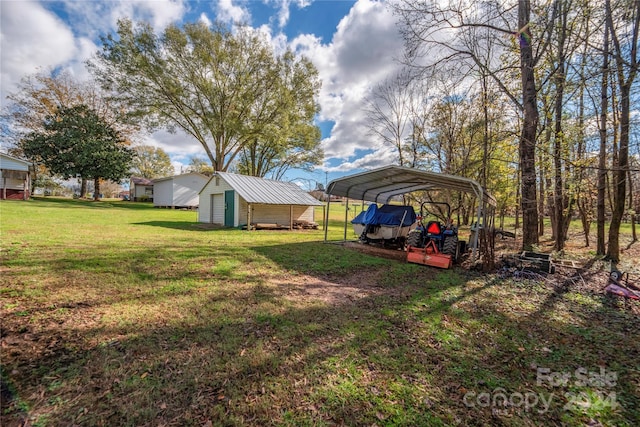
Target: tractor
433	243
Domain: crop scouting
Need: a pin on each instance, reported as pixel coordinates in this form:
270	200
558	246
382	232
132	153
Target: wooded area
534	100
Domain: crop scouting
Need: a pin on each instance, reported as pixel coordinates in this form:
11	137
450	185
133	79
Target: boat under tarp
387	222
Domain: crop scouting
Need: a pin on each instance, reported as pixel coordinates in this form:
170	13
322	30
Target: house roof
141	181
205	177
267	191
16	159
380	185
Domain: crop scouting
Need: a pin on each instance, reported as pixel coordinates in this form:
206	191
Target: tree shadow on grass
247	351
177	225
246	355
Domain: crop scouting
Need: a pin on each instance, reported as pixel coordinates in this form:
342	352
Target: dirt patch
335	291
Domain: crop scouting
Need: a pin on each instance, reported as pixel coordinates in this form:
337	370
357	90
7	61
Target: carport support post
248	216
326	217
346	217
474	256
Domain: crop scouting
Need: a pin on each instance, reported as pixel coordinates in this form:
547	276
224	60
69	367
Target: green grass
116	313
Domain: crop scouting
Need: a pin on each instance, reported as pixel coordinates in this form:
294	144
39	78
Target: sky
354	45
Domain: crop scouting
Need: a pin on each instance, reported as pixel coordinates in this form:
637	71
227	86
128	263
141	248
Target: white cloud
205	19
31	38
95	18
379	158
284	7
34	37
160	12
179	146
226	11
360	55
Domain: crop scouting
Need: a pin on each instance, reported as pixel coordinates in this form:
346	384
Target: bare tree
436	33
390	113
230	91
602	156
624	36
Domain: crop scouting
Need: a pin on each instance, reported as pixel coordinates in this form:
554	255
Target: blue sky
354	45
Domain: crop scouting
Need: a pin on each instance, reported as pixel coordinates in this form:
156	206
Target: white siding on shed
270	214
304	213
163	193
218	209
211	208
179	190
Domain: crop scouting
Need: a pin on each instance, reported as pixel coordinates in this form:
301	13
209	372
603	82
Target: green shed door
229	196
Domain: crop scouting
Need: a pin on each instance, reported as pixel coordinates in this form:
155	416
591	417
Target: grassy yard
118	314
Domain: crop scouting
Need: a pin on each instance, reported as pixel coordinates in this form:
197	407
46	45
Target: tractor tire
414	239
450	246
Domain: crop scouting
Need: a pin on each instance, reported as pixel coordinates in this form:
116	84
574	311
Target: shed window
217	181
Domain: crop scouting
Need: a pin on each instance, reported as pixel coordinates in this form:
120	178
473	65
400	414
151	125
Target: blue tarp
386	215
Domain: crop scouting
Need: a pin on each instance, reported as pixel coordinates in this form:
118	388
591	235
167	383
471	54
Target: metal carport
381	185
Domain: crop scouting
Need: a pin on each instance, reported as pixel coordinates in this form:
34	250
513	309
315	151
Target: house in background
180	191
234	200
15	178
140	189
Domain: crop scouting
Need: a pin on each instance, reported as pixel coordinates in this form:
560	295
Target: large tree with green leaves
229	91
75	141
42	94
151	162
289	138
201	165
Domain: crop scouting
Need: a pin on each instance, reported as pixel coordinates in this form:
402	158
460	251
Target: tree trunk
541	191
96	189
527	146
559	191
624	84
602	156
83	188
634	235
584	219
518	198
620	176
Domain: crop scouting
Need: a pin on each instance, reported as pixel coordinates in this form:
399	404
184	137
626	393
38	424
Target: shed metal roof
267	191
380	185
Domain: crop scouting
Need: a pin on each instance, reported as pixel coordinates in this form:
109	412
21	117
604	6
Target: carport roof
380	185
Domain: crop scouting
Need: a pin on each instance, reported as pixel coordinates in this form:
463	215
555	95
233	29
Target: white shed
180	191
236	200
15	177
